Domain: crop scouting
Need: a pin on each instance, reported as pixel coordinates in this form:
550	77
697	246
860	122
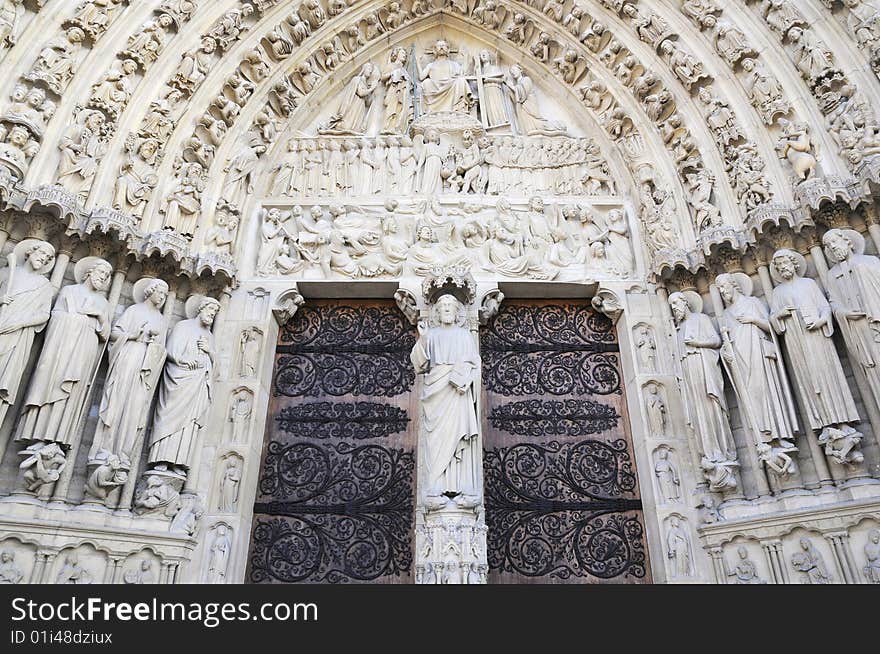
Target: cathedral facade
439	291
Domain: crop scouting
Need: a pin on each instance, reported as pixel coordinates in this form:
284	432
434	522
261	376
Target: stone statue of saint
447	356
25	302
810	562
678	548
667	476
229	485
751	356
80	321
800	312
698	345
72	572
136	357
218	557
854	290
444	85
187	388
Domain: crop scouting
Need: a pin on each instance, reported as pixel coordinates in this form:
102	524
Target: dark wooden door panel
562	496
337	485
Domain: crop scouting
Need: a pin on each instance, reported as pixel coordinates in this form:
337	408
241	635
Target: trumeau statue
137	353
800	312
754	362
80	323
698	346
186	393
446	355
25	304
854	290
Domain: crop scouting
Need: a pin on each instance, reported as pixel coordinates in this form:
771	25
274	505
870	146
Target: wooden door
337	483
562	496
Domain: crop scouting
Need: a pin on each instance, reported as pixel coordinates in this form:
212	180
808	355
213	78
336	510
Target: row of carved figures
143	357
353	242
81	566
398	165
749	343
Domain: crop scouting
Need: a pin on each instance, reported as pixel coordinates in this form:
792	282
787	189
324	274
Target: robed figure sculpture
446	355
187	388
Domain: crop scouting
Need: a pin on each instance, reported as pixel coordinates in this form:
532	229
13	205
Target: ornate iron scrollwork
358	420
345	350
339	513
563	510
554	418
555	350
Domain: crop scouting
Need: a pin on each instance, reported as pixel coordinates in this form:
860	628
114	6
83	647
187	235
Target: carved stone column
839	542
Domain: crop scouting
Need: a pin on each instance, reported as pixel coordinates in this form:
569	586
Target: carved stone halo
800	264
191	308
455	280
84	265
22	247
139	290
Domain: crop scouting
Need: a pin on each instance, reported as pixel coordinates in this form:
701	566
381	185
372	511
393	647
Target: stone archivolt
707	150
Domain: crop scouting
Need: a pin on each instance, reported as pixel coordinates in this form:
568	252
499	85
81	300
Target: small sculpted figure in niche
142	574
218	556
72	572
796	145
745	571
10	573
446	355
229	483
656	410
667	476
25	303
678	548
810	562
186	393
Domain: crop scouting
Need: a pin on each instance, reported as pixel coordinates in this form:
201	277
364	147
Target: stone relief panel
17	560
526	239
